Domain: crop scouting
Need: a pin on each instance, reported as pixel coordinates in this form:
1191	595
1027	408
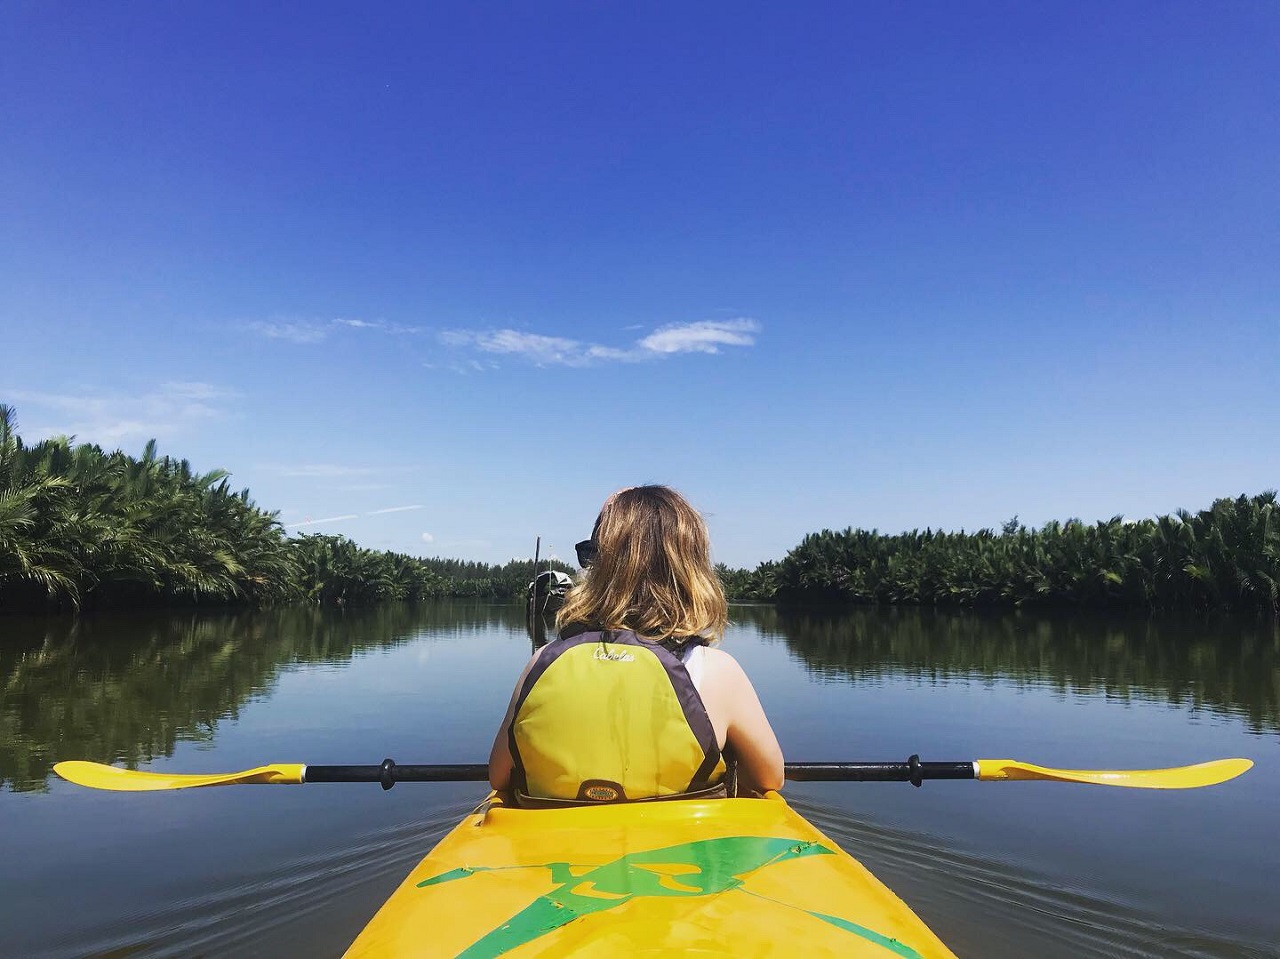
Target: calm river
998	869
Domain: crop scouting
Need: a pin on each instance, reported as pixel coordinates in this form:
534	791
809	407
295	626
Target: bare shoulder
718	656
723	664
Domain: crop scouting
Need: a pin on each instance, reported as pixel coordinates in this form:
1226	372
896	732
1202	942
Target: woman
633	702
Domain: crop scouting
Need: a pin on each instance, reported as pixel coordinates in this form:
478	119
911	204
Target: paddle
99	776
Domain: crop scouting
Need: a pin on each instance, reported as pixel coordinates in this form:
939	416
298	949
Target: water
999	870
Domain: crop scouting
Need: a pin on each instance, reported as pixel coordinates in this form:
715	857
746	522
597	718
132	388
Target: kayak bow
721	877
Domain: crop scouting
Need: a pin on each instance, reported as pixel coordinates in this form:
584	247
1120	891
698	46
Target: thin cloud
395	329
392	509
463	368
532	346
165	411
307	332
293	332
428	538
704	336
321	470
316	522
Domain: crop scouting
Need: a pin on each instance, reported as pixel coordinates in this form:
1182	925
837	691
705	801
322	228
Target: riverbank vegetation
84	528
1226	557
81	527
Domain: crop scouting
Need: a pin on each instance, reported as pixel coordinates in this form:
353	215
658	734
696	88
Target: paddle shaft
389	773
912	771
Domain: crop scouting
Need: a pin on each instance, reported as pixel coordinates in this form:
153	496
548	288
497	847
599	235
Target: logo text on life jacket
614	655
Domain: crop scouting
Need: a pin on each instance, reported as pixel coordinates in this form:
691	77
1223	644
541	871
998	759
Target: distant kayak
718	877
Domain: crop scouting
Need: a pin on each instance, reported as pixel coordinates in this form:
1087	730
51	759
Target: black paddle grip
912	771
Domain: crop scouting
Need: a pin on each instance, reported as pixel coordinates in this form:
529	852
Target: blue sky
440	277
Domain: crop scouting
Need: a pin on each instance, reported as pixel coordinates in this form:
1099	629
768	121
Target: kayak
716	877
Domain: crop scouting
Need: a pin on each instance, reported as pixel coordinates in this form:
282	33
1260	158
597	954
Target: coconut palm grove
83	527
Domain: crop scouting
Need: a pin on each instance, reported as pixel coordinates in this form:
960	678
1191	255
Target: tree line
1226	557
82	527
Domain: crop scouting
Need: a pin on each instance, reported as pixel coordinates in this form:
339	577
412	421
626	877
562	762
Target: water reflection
127	689
121	689
540	627
1224	665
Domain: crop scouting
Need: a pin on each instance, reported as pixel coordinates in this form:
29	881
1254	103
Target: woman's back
631	697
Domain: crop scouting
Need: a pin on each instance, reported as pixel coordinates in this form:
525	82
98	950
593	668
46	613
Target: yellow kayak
718	877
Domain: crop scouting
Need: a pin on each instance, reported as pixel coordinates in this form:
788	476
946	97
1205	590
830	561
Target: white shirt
694	657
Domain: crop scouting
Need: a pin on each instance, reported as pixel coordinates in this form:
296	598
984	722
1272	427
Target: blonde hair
652	572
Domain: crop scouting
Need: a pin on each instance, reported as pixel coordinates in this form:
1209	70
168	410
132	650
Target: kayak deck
719	877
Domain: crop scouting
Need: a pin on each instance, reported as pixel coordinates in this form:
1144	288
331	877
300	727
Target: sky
440	277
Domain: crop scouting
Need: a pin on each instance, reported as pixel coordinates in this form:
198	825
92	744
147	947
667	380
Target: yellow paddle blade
1179	777
98	776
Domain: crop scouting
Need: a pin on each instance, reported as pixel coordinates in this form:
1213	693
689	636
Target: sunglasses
587	552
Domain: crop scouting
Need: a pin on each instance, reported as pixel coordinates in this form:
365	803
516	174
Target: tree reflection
1225	665
124	690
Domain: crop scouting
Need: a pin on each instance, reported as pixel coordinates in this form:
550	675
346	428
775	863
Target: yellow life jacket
608	717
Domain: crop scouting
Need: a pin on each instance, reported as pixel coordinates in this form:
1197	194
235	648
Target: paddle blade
1179	777
99	776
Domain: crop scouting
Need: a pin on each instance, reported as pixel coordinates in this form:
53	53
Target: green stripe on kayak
718	866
